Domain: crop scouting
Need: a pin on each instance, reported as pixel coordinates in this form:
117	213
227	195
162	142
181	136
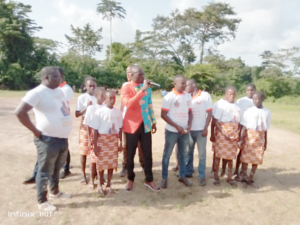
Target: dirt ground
276	202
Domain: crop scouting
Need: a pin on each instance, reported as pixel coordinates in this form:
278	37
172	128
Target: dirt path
276	202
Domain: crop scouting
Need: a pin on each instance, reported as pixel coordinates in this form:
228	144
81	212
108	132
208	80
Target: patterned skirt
253	151
108	157
84	147
223	147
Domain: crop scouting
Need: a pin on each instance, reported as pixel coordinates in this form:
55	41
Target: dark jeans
66	167
51	156
146	142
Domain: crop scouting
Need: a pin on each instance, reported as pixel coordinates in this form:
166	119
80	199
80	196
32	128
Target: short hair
178	76
100	89
230	87
251	85
60	70
46	70
110	92
260	94
89	77
135	69
193	81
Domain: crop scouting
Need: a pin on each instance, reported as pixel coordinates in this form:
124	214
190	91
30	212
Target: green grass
10	94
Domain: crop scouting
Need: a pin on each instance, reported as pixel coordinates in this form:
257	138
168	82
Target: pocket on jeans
44	138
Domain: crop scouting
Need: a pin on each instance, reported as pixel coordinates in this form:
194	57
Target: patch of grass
178	206
12	94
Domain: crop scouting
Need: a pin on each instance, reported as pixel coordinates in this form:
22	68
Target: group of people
106	130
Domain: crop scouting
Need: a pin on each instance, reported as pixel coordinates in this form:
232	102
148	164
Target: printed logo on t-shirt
188	103
177	104
113	130
65	109
198	102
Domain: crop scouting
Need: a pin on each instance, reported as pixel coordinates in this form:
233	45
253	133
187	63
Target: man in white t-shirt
68	92
202	112
51	132
177	112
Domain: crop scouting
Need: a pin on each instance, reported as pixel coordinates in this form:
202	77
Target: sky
266	24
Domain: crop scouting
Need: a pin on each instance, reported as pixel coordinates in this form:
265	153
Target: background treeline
168	49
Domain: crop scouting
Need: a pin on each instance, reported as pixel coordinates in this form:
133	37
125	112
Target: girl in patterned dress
255	121
226	117
107	132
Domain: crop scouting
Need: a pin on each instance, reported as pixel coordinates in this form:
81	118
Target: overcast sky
266	24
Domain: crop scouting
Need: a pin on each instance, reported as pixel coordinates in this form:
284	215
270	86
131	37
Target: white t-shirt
178	106
256	119
125	108
226	112
91	114
82	101
245	103
68	92
51	111
201	103
108	121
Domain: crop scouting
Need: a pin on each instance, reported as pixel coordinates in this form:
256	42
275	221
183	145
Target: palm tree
109	10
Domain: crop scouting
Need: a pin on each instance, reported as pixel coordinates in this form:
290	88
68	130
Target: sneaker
47	207
202	182
64	174
164	183
59	195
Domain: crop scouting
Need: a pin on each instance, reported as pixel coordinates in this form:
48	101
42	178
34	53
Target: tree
110	10
215	23
86	40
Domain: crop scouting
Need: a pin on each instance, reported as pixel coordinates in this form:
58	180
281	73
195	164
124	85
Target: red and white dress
228	115
257	122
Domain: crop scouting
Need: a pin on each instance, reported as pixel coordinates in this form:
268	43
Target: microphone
154	84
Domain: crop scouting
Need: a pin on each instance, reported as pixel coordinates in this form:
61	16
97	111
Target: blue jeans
182	140
51	156
196	137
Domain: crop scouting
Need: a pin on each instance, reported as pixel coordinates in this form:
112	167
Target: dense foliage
163	52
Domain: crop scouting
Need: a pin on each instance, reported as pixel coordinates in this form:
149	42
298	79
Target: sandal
157	189
100	192
252	184
83	181
175	168
109	190
232	183
244	184
217	182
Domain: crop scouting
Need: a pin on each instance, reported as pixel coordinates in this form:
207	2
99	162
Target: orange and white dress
82	100
257	122
228	115
88	121
108	122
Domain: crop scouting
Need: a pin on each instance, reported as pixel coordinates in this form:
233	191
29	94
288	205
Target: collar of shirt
198	94
177	93
63	84
135	84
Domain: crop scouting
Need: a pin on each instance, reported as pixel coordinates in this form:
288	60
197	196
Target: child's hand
265	147
212	138
97	150
120	149
240	143
89	103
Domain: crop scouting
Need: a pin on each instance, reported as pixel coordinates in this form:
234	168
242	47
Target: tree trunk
110	39
201	52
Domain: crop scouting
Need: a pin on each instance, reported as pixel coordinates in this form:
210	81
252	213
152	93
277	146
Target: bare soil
276	202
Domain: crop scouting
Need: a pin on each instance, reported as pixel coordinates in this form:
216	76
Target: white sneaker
59	195
47	207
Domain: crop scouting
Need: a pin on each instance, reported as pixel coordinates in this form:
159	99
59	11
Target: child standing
226	116
83	102
88	121
244	103
107	132
255	121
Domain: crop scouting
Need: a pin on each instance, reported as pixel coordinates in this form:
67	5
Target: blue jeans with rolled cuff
51	156
182	140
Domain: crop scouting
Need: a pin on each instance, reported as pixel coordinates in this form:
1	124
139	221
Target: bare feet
91	184
83	179
100	191
232	182
175	168
109	190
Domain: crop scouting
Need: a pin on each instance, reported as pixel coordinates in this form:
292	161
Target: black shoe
64	174
164	183
123	172
30	180
185	181
188	176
